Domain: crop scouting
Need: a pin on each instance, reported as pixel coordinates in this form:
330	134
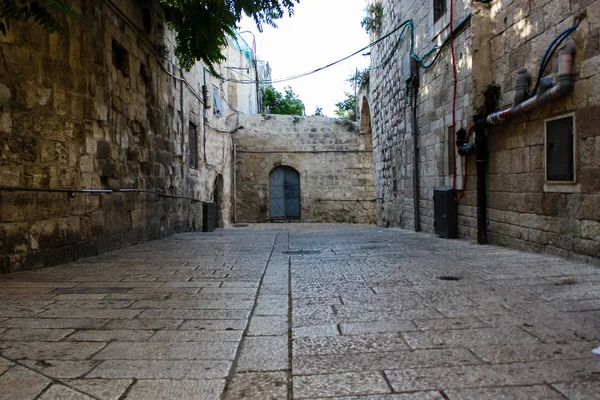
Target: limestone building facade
309	169
107	111
542	168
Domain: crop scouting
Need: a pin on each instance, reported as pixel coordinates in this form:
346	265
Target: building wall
522	213
501	38
389	102
102	109
334	160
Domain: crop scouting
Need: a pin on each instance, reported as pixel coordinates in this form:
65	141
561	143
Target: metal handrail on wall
96	191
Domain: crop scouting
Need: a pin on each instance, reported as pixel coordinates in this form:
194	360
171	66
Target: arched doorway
218	198
284	193
365	117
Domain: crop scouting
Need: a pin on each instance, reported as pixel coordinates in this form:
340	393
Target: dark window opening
147	20
146	76
120	58
439	9
216	101
560	160
451	148
193	145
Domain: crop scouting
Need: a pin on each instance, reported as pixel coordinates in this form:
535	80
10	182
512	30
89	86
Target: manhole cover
449	278
301	252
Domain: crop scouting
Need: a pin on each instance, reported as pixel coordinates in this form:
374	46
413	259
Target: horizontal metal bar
96	191
303	151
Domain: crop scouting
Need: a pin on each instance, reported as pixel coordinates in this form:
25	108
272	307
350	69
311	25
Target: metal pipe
563	86
95	191
417	213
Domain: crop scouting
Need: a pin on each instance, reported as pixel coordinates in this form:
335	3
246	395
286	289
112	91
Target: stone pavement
362	313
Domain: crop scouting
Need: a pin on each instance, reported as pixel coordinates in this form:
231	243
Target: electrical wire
555	44
408	23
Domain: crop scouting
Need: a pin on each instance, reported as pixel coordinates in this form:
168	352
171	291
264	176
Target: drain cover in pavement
301	252
449	278
240	225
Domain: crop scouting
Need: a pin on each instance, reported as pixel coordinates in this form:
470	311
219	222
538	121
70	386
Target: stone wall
524	212
334	160
501	38
105	108
389	102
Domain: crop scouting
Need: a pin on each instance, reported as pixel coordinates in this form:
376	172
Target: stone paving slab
60	368
212	316
21	383
60	392
101	389
161	369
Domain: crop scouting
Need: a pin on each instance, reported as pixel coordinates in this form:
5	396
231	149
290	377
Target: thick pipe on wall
564	86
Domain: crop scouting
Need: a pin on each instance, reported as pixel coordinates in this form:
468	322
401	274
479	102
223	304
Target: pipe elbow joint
565	84
467	149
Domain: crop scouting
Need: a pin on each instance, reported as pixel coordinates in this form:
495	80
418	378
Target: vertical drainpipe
482	130
205	93
415	88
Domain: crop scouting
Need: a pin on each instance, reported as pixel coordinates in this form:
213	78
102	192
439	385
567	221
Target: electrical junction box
410	67
445	212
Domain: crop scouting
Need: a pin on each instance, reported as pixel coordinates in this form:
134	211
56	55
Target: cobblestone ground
362	314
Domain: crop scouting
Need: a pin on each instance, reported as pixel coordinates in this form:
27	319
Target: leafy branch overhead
201	26
46	13
372	21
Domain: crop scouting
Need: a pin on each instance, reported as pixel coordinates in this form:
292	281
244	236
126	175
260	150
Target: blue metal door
284	193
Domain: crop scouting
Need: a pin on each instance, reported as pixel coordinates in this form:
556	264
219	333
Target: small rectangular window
560	146
120	58
216	101
450	149
439	9
193	145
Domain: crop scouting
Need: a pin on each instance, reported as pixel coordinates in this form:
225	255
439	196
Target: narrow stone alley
304	312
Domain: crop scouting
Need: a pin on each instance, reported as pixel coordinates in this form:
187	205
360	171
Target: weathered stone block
52	205
590	230
18	206
10	175
13	237
48	234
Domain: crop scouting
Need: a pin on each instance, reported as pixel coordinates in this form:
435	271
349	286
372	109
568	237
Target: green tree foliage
372	21
360	79
201	26
277	103
346	109
46	13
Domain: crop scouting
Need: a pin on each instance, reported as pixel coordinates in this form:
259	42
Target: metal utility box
444	208
209	217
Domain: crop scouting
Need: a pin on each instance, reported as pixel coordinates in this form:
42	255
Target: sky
319	32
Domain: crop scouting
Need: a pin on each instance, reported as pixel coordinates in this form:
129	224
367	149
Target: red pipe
454	93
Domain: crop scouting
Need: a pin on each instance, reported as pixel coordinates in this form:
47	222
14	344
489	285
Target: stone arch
219	199
365	117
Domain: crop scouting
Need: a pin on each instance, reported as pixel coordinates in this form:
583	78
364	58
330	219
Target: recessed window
560	150
439	9
450	149
216	101
193	145
120	58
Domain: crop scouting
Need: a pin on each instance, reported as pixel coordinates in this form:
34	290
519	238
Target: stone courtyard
293	311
